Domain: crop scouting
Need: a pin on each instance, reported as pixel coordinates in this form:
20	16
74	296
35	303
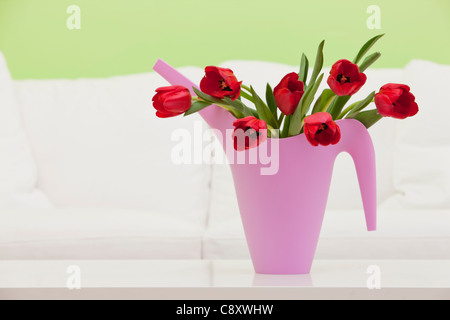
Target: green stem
223	105
338	104
325	107
287	122
233	111
302	126
347	110
272	132
280	121
243	86
247	96
238	114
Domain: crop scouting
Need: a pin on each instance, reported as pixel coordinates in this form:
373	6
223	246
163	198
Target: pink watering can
282	211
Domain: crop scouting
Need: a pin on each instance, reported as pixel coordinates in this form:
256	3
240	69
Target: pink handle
358	143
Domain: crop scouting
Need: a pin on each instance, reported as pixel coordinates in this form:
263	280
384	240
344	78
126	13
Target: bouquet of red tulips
291	108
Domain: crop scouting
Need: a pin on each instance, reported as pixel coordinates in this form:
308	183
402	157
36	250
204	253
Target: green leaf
295	122
196	107
369	61
271	100
236	112
317	104
366	47
287	122
280	120
205	96
318	64
368	118
254	113
238	105
347	110
362	104
263	111
337	105
324	100
310	97
295	119
246	96
295	126
304	65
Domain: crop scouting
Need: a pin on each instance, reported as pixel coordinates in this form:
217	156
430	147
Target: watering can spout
216	117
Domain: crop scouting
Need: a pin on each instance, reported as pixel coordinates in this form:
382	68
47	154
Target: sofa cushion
402	234
18	174
422	157
85	233
98	143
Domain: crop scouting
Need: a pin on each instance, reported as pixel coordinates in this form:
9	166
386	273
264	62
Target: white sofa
86	173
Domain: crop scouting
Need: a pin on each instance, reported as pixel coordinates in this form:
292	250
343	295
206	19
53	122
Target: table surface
222	279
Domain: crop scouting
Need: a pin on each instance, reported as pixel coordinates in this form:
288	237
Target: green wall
127	36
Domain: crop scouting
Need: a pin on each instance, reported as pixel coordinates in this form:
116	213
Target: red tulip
395	100
171	101
345	78
220	83
288	93
249	132
321	129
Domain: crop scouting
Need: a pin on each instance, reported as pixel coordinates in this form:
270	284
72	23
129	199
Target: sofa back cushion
98	143
18	173
422	156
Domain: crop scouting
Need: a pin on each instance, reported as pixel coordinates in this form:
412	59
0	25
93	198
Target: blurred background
124	37
86	168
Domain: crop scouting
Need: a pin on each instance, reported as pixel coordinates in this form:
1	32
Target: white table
222	279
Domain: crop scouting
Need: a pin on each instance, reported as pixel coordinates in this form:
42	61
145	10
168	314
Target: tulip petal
413	109
318	118
288	93
285	99
310	136
393	94
335	86
383	104
161	114
337	135
171	101
355	78
395	100
249	132
220	82
394	86
178	102
320	129
169	89
210	84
